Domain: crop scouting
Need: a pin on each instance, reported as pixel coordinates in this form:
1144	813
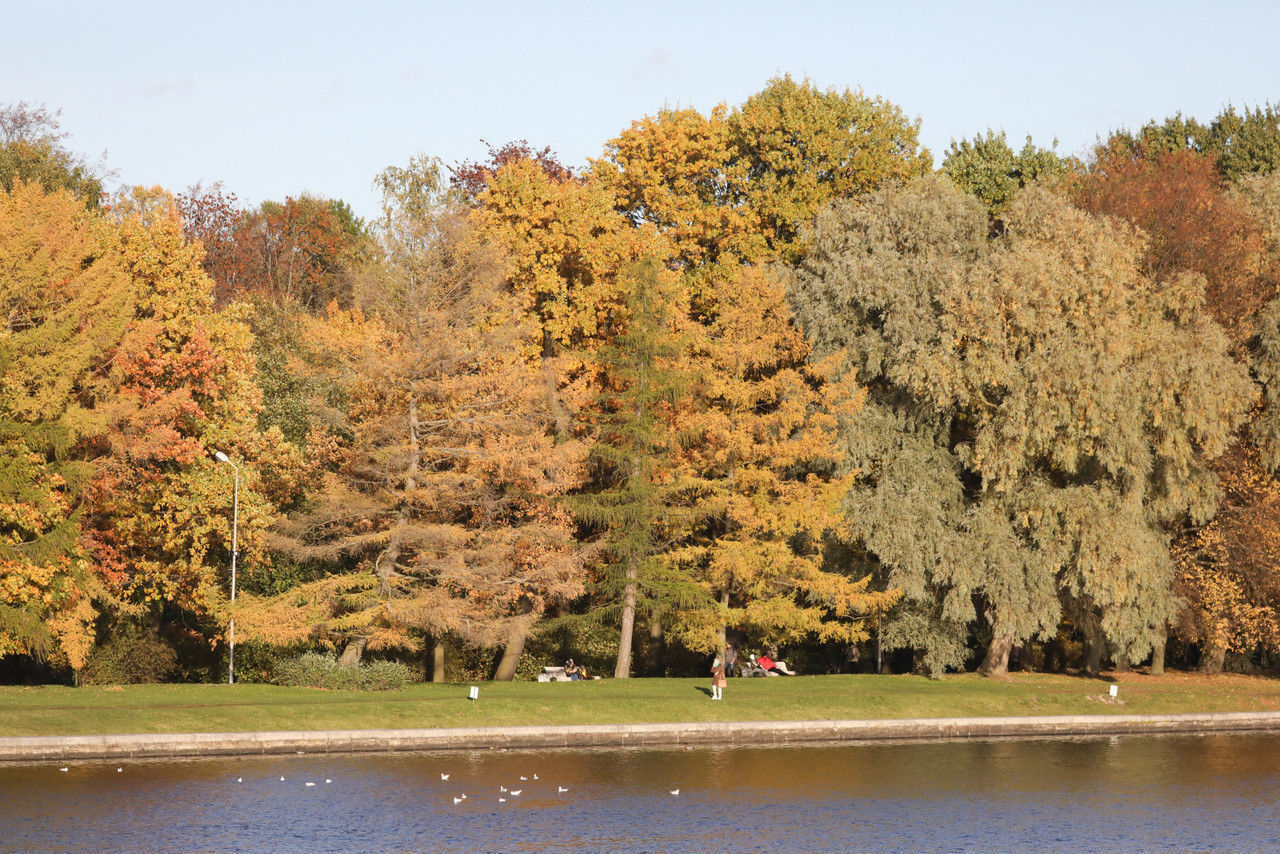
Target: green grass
54	710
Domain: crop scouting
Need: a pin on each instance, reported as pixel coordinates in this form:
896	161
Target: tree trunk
1157	652
437	661
558	412
657	647
1212	659
724	639
996	662
1093	659
510	657
353	652
623	668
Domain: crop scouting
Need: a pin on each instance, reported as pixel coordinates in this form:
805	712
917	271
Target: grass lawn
56	710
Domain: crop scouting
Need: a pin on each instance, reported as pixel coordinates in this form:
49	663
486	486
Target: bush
313	670
134	656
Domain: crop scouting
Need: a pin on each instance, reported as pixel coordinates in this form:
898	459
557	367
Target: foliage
796	147
181	386
1241	144
759	440
1038	409
435	512
472	179
66	301
136	655
32	151
743	182
313	670
633	507
988	168
1192	223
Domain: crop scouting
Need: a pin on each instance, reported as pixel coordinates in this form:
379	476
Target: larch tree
437	513
1039	411
66	302
759	438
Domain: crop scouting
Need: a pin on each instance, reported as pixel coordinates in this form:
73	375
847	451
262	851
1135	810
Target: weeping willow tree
1038	413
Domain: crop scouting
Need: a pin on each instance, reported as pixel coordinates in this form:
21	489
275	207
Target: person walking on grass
717	679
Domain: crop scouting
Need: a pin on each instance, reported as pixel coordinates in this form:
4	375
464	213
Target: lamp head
222	458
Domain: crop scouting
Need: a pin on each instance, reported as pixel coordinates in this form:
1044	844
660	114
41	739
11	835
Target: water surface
1210	793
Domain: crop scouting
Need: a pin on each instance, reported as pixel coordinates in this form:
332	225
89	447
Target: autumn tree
796	147
32	149
179	386
743	182
759	438
1038	411
471	179
66	302
566	250
435	516
671	170
1193	224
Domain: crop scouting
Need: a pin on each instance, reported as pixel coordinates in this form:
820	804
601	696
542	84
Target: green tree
988	168
634	504
1038	412
32	150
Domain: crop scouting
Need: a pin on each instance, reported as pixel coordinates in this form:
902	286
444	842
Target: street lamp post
235	526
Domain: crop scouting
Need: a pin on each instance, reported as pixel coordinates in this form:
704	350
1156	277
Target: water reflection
1140	794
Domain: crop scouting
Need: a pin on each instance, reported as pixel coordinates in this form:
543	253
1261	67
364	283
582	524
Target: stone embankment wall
754	733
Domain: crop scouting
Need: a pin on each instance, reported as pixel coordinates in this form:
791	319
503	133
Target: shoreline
26	749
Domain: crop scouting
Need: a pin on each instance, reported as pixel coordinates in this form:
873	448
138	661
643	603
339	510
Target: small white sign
1115	689
474	693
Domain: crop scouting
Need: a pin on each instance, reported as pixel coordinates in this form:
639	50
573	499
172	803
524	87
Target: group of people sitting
761	665
576	672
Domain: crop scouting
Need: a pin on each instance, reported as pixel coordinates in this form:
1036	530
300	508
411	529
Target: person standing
717	679
730	661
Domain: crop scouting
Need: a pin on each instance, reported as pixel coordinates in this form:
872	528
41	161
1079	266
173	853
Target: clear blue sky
276	98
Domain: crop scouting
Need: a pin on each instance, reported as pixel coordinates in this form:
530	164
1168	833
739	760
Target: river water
1209	793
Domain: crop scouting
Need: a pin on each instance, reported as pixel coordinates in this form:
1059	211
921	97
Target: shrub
134	656
313	670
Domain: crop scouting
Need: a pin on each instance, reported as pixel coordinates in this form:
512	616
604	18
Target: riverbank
54	711
671	735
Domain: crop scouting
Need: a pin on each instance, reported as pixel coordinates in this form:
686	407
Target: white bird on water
119	770
675	791
523	779
444	776
457	801
327	780
64	768
239	779
310	784
502	788
282	779
515	793
502	800
562	789
535	776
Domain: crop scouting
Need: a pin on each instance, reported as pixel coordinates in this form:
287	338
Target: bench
553	674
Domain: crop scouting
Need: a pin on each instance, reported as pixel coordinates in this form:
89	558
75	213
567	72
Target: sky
274	99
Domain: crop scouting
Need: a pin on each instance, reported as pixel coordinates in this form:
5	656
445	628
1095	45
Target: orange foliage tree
435	509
